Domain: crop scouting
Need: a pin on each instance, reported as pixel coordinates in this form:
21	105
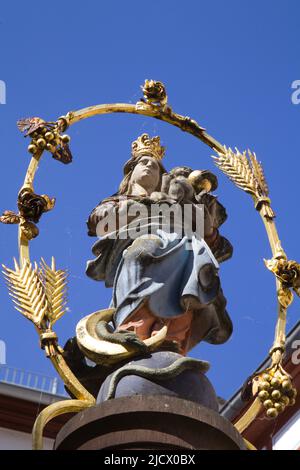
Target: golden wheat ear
27	291
244	170
55	283
259	173
247	173
237	167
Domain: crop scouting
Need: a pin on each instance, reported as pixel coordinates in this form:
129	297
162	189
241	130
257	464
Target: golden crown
145	145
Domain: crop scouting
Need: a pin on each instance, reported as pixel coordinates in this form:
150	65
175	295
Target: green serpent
180	365
124	337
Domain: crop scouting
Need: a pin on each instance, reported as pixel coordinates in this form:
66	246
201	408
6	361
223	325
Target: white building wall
288	438
16	440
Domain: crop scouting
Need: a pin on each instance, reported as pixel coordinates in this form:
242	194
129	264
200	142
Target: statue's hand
157	196
181	189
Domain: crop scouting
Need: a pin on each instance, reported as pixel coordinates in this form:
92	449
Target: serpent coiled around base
165	373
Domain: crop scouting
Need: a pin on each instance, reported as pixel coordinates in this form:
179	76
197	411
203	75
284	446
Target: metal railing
32	380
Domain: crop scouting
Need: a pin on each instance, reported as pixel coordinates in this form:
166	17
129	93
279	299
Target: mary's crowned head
144	168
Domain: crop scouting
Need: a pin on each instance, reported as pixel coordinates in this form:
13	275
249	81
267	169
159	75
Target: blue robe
163	269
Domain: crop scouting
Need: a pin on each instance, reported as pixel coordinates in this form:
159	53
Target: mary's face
146	173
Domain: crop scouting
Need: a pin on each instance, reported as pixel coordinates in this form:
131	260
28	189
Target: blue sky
229	65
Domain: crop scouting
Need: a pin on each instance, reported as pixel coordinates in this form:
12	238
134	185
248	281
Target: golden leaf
285	297
50	202
10	217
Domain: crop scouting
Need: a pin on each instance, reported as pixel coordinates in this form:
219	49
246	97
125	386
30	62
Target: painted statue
167	273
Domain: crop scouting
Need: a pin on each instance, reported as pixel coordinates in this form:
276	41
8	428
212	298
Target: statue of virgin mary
162	271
